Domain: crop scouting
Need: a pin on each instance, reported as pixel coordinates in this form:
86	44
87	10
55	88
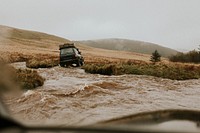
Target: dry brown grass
12	78
28	79
41	50
178	71
43	61
10	57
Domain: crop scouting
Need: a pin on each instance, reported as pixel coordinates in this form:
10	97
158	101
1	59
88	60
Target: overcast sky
170	23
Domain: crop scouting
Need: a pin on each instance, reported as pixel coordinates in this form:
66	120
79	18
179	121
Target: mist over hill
129	45
19	45
16	42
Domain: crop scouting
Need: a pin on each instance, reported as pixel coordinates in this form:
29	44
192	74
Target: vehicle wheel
82	63
62	65
78	64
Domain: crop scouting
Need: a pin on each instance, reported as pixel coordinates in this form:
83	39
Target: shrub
155	56
192	57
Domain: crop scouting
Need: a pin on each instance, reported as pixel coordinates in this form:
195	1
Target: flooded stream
70	96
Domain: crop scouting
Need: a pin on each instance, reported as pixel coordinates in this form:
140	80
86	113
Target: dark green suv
70	55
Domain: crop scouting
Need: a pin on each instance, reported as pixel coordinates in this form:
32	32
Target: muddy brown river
70	96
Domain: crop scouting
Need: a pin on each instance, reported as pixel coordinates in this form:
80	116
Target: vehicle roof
66	45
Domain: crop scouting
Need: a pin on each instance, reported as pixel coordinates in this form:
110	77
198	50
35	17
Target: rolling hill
18	44
10	36
129	45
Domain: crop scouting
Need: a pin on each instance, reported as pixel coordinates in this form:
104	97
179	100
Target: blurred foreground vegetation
28	79
12	78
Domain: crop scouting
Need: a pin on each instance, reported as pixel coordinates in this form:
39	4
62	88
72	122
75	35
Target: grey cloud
172	23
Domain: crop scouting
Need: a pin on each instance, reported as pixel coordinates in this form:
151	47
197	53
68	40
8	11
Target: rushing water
70	96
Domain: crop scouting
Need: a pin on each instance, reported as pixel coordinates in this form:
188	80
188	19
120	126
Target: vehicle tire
62	64
82	63
78	64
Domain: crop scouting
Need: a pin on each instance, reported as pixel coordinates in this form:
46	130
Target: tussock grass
13	78
11	57
42	63
174	71
28	79
17	57
32	60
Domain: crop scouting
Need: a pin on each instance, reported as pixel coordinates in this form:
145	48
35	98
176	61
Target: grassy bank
19	78
38	60
42	63
28	79
172	71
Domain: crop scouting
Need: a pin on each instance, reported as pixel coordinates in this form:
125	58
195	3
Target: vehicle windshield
84	62
67	51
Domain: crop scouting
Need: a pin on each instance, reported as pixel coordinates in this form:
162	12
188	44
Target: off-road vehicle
70	55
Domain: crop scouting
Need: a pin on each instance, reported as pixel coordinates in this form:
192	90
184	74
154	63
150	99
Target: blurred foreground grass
12	78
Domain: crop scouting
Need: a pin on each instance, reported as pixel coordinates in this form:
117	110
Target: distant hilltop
13	36
129	45
26	44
